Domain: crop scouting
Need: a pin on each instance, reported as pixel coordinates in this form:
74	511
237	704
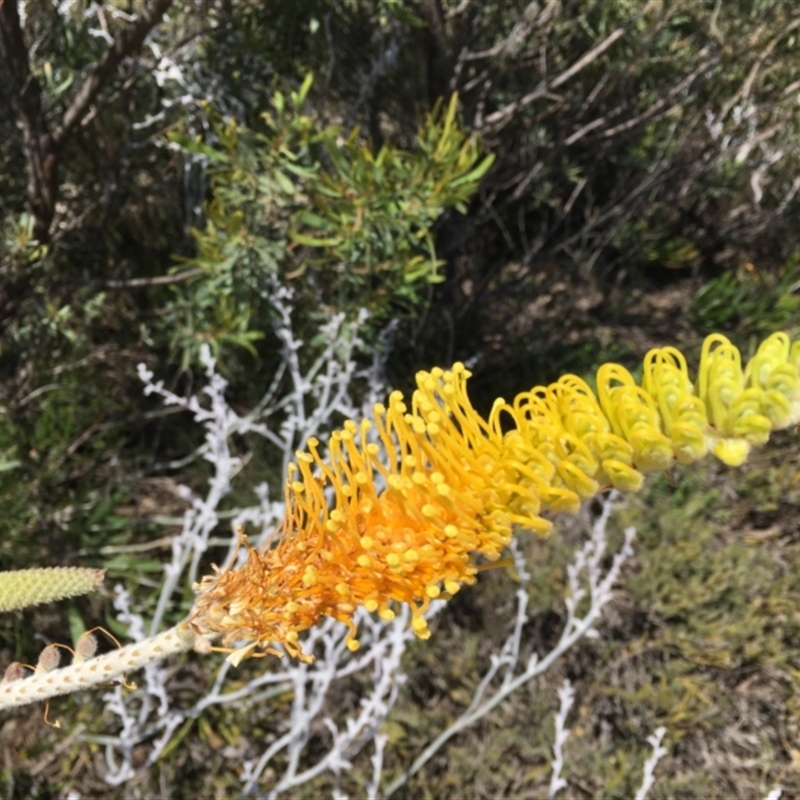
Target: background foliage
611	176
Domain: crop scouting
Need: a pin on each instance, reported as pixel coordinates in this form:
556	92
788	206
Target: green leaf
314	220
312	241
285	184
193	145
302	172
475	174
300	97
76	624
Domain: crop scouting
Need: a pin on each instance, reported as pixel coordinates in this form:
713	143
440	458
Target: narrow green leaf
304	89
286	185
302	172
475	174
314	220
313	241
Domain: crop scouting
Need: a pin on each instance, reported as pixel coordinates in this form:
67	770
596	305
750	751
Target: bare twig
158	280
494	122
532	17
128	42
740	97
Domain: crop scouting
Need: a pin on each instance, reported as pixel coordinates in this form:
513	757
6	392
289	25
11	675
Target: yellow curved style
456	484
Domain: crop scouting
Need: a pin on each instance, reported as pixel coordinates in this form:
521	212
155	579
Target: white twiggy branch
311	391
328	381
383	646
566	697
221	424
96	671
584	569
650	765
373	785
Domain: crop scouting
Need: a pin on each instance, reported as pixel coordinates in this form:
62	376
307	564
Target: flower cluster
456	484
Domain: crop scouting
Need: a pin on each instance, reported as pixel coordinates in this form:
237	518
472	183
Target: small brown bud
85	647
49	659
15	671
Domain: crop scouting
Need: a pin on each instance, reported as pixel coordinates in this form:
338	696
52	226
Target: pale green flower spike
29	587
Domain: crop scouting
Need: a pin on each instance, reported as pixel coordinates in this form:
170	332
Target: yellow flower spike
773	371
777	408
689	440
420	627
578	409
622	477
610	395
772	352
784	379
711	344
575	465
530	419
609	446
794	355
456	483
561	501
731	452
744	417
666	379
665	365
634	417
720	381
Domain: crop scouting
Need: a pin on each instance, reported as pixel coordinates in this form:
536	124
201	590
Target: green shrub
348	228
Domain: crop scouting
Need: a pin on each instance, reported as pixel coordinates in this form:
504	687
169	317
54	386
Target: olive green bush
348	228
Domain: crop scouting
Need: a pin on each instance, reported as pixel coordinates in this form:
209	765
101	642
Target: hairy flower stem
96	671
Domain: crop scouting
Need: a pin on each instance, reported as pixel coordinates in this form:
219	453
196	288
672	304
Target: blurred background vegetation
528	185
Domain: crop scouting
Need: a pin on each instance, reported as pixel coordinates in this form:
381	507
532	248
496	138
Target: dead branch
494	122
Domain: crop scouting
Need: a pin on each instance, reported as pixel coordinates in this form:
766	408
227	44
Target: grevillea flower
402	508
